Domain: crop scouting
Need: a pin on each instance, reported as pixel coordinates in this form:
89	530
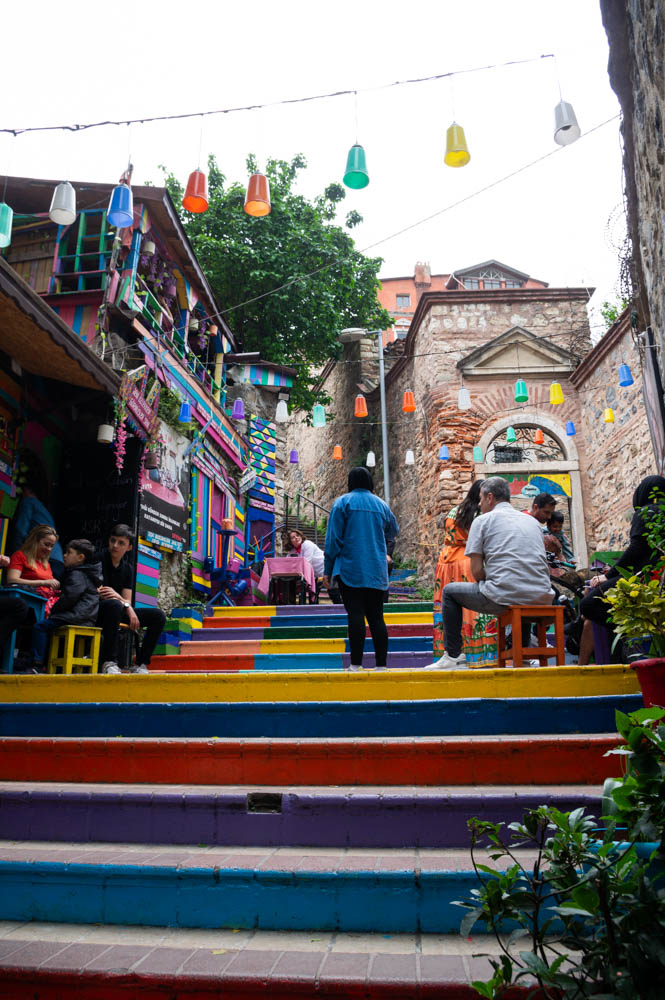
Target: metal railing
308	523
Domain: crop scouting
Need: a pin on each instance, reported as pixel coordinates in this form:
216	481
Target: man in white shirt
508	561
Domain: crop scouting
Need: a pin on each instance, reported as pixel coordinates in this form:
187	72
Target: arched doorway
530	468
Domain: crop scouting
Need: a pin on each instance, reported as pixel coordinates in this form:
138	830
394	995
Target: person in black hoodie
78	603
649	496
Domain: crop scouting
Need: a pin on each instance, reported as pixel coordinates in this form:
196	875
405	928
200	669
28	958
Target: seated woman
639	556
29	567
301	546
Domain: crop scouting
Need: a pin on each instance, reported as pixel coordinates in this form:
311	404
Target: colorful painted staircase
267	824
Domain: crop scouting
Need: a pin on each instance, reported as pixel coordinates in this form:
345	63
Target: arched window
524	449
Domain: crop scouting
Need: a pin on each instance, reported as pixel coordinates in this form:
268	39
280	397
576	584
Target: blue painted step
474	716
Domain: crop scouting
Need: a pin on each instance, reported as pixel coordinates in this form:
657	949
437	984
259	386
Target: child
555	527
79	600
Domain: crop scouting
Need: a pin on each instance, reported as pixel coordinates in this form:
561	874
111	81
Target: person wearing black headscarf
361	528
640	555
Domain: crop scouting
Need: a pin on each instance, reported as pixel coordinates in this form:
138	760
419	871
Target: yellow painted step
264	686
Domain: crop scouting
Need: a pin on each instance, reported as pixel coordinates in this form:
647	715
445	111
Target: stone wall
636	34
618	455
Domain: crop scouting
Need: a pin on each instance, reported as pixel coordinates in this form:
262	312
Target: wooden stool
74	648
544	615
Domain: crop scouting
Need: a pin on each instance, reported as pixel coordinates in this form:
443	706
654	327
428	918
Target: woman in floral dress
479	635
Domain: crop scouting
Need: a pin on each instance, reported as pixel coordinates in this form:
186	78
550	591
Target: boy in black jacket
78	603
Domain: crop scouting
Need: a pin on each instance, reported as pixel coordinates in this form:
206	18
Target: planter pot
651	675
151	460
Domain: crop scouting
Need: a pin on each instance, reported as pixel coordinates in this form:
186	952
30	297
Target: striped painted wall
148	559
262	443
258	375
81	318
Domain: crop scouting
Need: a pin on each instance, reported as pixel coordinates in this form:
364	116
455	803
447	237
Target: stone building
485	339
636	33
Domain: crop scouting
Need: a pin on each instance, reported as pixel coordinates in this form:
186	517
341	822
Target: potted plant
586	911
638	611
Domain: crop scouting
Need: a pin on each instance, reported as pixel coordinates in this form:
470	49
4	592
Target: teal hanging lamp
521	395
355	175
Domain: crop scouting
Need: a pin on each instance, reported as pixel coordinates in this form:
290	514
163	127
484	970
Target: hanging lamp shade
463	399
444	454
556	394
282	412
6	219
408	402
105	434
608	415
337	452
63	204
539	437
318	415
566	129
370	461
521	394
457	151
570	428
409	458
355	175
257	199
478	453
360	406
625	376
121	206
511	436
293	457
238	411
196	193
185	414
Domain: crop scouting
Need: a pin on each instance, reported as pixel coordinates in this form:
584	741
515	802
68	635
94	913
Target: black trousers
594	609
111	613
14	612
365	603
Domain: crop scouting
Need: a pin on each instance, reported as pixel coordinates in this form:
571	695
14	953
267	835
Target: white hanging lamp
566	129
282	412
63	204
370	461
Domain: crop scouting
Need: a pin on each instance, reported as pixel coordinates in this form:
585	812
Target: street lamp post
357	333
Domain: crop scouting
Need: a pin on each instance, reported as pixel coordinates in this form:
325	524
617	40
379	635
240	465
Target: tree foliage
291	280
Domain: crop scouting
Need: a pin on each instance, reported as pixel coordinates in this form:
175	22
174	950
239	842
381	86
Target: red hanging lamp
196	193
408	402
360	408
337	452
257	199
539	437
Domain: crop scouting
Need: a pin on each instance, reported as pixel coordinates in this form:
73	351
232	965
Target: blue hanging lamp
570	428
185	414
444	454
121	207
625	376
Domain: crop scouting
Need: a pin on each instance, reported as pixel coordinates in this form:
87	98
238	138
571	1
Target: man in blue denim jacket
360	528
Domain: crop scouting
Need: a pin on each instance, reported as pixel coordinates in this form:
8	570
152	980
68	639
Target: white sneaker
139	669
449	663
353	666
110	667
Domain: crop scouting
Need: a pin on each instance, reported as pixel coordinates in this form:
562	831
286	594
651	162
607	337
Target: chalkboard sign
93	496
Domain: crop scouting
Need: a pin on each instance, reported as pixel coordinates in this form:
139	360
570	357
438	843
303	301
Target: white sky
77	63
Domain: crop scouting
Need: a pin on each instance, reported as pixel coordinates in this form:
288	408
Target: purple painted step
388	817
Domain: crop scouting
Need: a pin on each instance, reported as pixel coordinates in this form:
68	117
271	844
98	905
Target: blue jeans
41	633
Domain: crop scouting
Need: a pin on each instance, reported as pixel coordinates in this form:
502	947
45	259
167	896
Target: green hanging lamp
521	395
355	175
511	436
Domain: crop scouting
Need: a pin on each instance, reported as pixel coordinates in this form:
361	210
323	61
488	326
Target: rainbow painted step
387	818
184	661
267	889
319	720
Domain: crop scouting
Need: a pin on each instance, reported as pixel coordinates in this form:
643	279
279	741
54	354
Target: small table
287	566
34	601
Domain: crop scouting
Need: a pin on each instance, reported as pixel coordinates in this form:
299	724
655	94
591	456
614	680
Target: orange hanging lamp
257	199
196	194
408	402
360	408
337	452
539	437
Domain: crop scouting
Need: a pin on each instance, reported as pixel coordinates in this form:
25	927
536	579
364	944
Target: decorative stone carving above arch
518	353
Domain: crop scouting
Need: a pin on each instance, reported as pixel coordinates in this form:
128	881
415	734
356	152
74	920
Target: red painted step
424	761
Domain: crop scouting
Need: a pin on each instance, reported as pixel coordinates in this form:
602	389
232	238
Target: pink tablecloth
283	565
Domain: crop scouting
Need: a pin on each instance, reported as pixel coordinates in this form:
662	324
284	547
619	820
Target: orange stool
544	615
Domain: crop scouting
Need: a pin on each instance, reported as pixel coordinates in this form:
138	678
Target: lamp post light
357	333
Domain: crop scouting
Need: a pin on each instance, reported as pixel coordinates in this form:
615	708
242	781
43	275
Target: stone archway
569	465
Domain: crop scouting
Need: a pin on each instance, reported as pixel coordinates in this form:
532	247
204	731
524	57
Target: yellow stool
74	649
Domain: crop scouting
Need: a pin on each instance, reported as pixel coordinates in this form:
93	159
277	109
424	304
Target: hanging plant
120	442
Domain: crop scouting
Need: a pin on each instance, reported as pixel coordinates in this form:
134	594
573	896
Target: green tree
610	311
295	275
